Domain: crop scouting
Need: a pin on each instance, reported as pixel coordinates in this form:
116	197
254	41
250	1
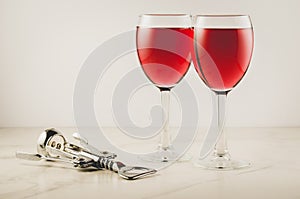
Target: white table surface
273	152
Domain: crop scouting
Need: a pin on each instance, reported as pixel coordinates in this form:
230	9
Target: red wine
164	53
222	56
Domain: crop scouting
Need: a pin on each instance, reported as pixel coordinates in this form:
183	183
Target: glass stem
165	141
219	104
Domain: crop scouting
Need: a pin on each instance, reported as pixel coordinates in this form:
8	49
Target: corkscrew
53	146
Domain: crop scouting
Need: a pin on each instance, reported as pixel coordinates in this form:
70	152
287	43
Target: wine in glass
164	45
223	46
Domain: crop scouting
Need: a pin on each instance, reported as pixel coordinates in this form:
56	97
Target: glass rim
222	15
165	15
165	20
222	21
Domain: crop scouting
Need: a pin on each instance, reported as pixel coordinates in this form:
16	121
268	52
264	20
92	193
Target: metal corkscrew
53	146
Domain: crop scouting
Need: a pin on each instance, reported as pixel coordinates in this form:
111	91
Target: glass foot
221	162
165	155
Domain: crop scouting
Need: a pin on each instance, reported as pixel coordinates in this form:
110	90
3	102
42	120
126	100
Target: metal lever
37	157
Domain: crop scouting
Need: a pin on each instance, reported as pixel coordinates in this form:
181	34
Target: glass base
221	162
165	155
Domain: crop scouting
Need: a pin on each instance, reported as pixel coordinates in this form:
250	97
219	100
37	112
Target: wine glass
223	46
164	45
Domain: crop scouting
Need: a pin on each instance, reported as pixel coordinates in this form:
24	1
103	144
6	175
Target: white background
44	43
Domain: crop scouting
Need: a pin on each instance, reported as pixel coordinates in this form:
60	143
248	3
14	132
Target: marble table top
273	153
